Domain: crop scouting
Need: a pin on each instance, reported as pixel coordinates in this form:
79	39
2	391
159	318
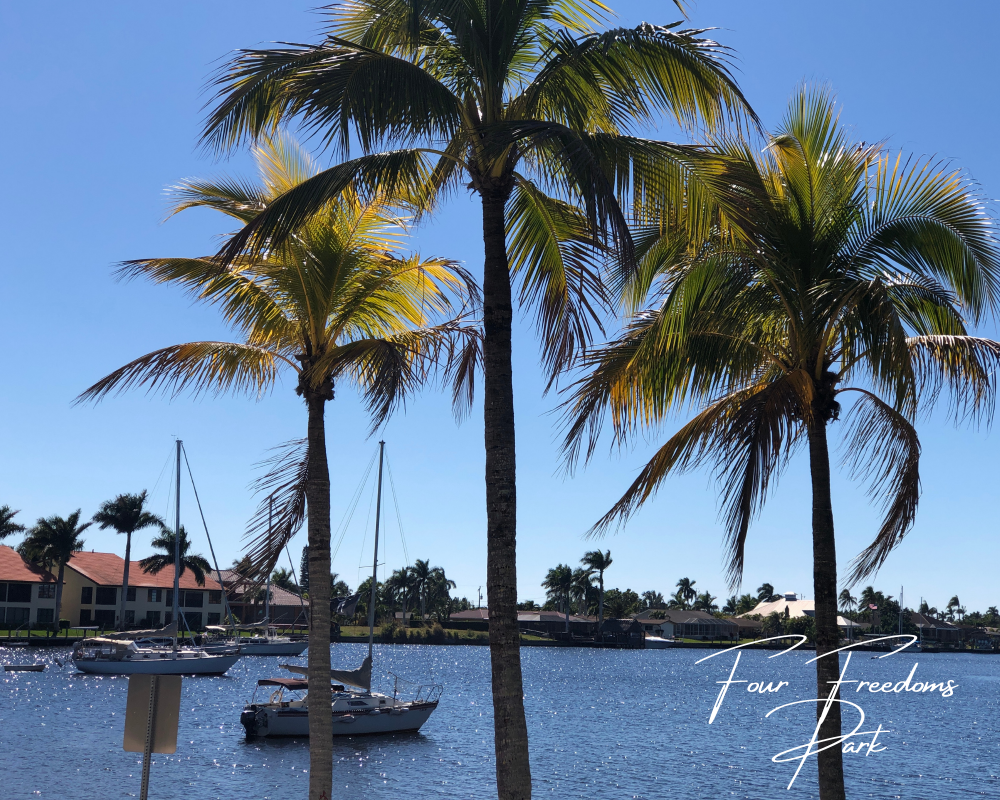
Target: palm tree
765	592
338	301
583	586
598	561
155	563
508	97
126	514
558	585
283	577
653	599
52	541
731	605
952	607
847	602
421	574
846	273
402	584
7	525
705	602
686	590
746	603
438	592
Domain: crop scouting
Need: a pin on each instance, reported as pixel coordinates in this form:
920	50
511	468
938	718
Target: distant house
92	591
247	601
541	621
674	623
789	602
27	592
627	633
936	630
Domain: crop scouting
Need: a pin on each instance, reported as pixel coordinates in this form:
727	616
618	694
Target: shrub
436	634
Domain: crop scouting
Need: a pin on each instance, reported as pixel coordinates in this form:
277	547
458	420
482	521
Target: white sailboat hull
274	649
295	722
185	665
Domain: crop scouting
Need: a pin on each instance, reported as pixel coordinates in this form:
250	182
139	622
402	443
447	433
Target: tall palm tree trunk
59	588
831	760
121	605
318	527
509	727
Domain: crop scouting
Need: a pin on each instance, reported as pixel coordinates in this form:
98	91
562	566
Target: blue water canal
613	724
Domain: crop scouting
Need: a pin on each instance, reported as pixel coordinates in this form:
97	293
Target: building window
3	592
155	595
193	599
107	595
84	617
193	620
46	591
214	598
130	615
153	617
3	614
87	597
213	618
168	617
170	599
17	616
130	594
19	593
45	615
105	617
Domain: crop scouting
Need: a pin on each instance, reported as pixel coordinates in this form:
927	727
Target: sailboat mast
378	515
177	544
267	585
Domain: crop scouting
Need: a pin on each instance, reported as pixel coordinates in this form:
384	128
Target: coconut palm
847	602
52	541
731	604
705	602
402	584
420	572
598	561
583	587
765	592
7	525
197	564
339	301
283	577
438	593
126	514
558	585
849	273
746	603
653	599
510	98
686	590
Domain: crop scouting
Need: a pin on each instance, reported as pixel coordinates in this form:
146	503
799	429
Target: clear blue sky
102	112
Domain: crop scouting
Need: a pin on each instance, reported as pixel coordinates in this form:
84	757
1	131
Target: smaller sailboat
127	653
355	710
263	641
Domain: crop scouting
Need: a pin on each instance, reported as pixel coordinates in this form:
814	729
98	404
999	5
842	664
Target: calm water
612	724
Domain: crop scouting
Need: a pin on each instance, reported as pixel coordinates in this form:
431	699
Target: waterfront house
27	591
626	633
528	621
246	601
677	623
789	604
92	591
937	631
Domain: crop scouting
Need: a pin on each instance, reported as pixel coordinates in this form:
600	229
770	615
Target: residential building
676	623
539	621
92	591
790	604
246	601
27	592
935	630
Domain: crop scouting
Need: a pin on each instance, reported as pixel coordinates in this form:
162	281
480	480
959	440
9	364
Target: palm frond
963	366
883	449
213	367
282	510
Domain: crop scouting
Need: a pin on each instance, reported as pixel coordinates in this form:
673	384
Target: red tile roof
15	568
107	569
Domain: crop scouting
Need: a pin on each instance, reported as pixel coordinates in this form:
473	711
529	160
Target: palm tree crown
153	564
52	541
7	525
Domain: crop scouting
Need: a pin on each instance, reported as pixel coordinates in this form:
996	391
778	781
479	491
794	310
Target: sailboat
124	654
355	709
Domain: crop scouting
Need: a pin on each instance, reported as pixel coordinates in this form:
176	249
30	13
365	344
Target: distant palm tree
765	593
583	586
558	585
732	603
126	514
847	602
421	574
686	590
439	593
7	525
598	561
283	577
153	564
52	541
677	600
653	599
705	602
401	584
952	608
747	603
